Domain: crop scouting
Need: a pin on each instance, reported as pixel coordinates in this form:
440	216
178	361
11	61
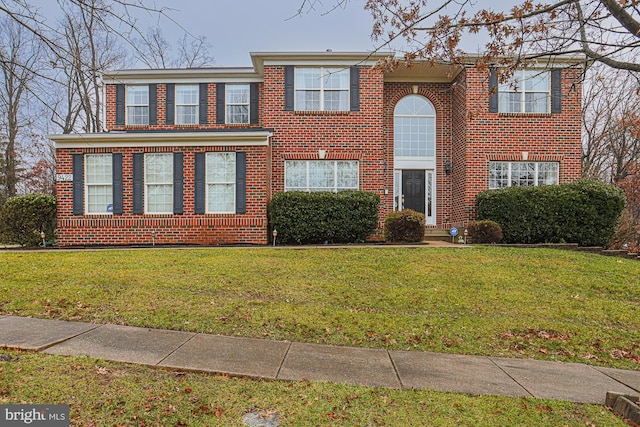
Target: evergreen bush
404	226
22	218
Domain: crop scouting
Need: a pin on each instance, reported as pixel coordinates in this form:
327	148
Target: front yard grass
539	303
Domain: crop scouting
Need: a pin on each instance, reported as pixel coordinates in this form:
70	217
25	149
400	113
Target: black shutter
493	91
289	88
171	105
204	103
178	183
153	104
220	101
355	89
253	103
138	170
556	91
199	187
241	182
78	184
120	94
116	161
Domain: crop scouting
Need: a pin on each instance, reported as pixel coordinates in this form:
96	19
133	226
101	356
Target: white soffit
161	139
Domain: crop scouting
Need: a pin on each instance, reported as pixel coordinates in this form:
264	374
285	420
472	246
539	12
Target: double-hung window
237	103
322	89
138	105
158	182
187	104
522	174
321	175
527	91
99	183
221	182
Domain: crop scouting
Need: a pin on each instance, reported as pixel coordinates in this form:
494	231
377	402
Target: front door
413	190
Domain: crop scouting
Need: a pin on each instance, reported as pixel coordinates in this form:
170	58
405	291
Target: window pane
98	169
347	175
522	174
548	173
137	95
99	199
160	198
536	81
221	198
307	78
238	114
308	100
237	94
510	102
336	78
336	100
321	175
221	167
498	175
137	115
536	102
186	115
187	94
295	175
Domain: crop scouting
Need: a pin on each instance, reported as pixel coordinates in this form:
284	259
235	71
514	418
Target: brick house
193	156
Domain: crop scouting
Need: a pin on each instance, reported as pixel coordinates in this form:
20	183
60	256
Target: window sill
525	114
321	113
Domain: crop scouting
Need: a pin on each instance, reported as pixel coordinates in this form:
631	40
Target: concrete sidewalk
283	360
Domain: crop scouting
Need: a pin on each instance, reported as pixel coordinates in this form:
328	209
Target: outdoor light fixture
42	236
466	233
447	167
275	234
153	237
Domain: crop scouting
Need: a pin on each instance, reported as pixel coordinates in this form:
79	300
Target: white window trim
147	184
127	105
196	104
335	188
207	183
536	173
520	88
228	104
323	73
87	185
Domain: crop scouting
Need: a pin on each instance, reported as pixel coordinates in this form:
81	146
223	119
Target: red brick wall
440	96
352	135
188	228
504	137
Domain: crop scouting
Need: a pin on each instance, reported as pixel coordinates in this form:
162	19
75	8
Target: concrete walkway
283	360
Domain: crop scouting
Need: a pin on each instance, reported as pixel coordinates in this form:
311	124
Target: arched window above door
414	121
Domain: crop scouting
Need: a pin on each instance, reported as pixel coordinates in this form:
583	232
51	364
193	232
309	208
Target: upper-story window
527	91
138	105
237	103
414	120
187	104
322	89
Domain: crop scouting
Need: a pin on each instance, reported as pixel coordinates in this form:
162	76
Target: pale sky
237	27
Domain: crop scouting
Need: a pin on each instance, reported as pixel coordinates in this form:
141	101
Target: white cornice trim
161	139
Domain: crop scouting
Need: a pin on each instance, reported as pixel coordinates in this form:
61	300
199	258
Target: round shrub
485	231
404	226
23	217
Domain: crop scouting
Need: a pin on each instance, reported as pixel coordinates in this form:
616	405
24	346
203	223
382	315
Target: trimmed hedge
23	217
404	226
319	217
583	212
485	231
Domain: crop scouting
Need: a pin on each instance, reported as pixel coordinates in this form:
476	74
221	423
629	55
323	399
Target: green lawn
545	304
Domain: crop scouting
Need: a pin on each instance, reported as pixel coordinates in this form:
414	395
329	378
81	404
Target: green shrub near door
584	212
319	217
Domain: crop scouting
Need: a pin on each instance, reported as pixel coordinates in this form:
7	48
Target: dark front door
413	190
